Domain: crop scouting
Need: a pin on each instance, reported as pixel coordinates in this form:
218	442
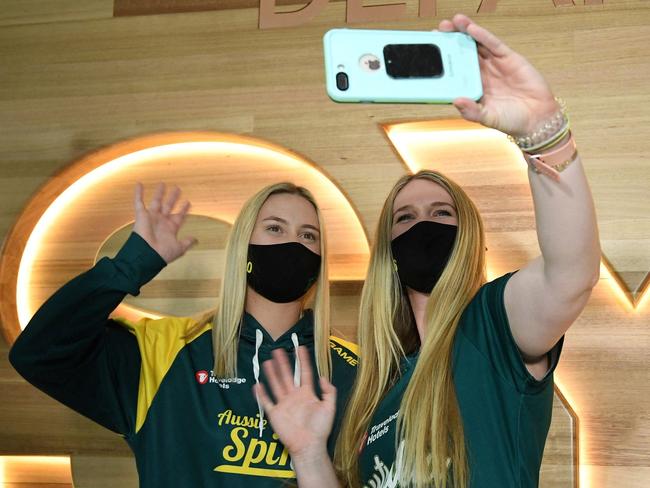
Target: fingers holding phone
516	97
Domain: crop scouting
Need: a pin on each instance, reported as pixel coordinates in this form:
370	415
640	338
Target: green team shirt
146	381
506	412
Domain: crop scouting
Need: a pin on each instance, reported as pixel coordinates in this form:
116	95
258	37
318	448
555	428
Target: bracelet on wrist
547	134
551	141
554	162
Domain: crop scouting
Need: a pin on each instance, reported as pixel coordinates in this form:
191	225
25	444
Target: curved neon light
66	200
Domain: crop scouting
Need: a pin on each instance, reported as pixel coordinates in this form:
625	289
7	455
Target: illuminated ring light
58	233
445	145
16	470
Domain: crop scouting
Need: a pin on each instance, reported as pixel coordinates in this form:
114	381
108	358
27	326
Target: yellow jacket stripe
160	341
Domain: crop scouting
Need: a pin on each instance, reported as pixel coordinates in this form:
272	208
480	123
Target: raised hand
301	419
159	226
516	97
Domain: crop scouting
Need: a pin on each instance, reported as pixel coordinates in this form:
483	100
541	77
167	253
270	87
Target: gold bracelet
553	163
558	167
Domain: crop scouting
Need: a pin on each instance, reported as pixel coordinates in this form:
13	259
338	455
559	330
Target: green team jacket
147	382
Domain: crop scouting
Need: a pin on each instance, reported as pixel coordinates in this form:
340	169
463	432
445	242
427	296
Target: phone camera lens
342	81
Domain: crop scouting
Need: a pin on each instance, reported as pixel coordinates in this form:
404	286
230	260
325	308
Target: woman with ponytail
455	384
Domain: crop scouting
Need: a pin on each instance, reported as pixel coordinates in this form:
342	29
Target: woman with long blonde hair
455	385
178	388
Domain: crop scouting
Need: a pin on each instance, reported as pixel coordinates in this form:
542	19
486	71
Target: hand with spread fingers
516	100
298	416
301	419
159	226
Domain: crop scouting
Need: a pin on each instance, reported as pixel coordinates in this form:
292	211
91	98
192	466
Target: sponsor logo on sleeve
202	377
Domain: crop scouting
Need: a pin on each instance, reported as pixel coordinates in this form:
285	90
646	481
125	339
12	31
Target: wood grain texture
74	80
17	12
124	8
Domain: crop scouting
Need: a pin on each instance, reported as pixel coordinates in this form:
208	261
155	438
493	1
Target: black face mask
421	254
281	273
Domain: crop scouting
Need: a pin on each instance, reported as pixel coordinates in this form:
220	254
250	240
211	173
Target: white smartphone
388	66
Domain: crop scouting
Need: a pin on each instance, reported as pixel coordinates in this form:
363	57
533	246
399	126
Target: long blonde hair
429	421
230	308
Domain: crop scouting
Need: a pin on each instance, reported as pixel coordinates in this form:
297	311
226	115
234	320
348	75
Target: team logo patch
202	377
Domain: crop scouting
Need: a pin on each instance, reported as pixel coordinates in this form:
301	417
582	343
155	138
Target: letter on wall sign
427	8
356	12
270	18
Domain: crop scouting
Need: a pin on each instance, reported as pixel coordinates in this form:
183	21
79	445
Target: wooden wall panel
74	79
18	12
151	7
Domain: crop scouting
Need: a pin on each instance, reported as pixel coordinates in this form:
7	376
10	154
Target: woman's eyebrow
283	221
309	226
432	204
277	219
440	204
402	208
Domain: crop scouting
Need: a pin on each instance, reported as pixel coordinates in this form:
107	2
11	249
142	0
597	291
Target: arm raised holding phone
516	322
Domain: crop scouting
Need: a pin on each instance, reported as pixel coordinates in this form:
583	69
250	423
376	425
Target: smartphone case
344	48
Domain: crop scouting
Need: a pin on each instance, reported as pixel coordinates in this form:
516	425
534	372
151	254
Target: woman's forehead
288	206
419	191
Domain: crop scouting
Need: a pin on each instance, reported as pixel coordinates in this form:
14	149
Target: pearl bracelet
551	141
551	131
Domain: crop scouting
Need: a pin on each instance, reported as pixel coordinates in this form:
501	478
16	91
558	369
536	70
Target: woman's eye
403	217
273	228
309	236
444	213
